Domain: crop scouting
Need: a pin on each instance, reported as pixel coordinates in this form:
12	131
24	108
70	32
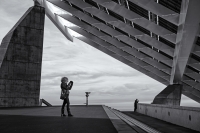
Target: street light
87	95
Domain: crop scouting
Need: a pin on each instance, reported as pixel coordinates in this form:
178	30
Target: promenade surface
162	126
91	119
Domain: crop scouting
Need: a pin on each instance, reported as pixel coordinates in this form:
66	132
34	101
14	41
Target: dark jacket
65	88
136	102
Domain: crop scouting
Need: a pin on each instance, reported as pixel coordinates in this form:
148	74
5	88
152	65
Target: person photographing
135	105
65	95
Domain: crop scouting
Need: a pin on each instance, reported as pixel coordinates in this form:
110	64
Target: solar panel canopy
159	38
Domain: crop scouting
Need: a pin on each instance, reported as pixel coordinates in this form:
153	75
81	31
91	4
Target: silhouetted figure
135	105
65	91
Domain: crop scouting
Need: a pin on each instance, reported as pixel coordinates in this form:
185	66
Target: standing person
65	90
135	105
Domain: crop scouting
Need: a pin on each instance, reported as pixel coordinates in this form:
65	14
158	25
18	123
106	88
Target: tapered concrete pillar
171	95
21	59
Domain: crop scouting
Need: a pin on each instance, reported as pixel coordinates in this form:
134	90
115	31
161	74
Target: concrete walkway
120	125
91	119
159	125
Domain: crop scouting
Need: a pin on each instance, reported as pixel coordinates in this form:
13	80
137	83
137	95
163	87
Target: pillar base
21	60
171	95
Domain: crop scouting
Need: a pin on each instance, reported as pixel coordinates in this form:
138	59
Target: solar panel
115	15
116	1
92	3
174	5
161	39
167	25
139	10
142	29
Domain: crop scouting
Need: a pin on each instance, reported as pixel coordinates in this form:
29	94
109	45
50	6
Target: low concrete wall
188	117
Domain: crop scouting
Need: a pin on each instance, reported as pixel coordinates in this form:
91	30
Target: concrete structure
44	102
86	119
183	116
20	60
156	37
171	95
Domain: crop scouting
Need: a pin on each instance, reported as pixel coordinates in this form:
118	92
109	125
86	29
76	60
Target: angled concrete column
188	32
171	95
20	60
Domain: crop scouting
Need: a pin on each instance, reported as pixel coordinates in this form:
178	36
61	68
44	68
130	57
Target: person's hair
63	79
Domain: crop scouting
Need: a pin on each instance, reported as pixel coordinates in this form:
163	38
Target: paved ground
159	125
91	119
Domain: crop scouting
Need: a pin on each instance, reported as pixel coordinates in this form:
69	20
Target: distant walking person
65	95
135	105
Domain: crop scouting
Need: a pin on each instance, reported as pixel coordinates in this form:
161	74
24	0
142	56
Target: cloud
11	12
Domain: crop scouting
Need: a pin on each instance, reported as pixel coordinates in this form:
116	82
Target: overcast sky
110	82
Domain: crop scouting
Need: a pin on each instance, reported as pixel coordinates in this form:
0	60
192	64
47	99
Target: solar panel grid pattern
142	29
139	35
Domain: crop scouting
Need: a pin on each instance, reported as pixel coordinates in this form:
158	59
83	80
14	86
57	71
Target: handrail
45	102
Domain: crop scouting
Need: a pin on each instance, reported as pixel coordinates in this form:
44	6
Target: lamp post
87	95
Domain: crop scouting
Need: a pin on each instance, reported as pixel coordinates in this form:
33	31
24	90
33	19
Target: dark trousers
135	108
66	101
